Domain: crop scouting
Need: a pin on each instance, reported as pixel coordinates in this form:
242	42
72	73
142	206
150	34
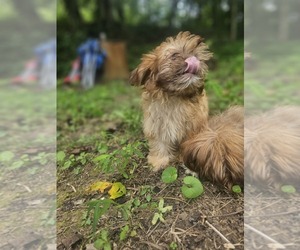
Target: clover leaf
192	188
169	175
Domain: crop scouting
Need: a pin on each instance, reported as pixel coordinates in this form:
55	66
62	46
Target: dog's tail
217	154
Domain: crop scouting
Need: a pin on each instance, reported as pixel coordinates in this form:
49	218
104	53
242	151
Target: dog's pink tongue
193	65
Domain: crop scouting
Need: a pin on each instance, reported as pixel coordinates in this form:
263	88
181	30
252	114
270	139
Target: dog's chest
168	120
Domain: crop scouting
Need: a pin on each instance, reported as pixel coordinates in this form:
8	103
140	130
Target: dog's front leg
161	154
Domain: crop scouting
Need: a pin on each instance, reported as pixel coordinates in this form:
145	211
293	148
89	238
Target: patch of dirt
189	224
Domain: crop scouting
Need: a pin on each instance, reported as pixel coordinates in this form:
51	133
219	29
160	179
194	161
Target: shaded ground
116	129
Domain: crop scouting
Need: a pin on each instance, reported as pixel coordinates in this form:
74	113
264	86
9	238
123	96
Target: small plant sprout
236	189
161	210
192	187
169	175
103	241
173	245
60	156
99	207
124	232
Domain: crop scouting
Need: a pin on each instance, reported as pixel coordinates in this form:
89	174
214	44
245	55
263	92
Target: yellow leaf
117	190
100	186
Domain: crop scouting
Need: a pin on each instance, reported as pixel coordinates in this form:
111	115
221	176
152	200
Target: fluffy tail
217	154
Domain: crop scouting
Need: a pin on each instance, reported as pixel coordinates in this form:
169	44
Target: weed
76	162
169	175
161	210
173	246
103	241
192	187
236	189
99	207
146	192
124	232
124	160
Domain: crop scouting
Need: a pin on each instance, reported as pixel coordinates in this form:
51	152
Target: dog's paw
188	171
158	162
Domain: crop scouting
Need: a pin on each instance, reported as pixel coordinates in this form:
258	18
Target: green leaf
107	246
288	189
166	209
100	207
155	218
100	158
173	245
148	197
60	156
161	218
133	233
77	170
6	156
161	204
236	189
169	175
192	188
104	235
66	165
124	232
98	244
137	202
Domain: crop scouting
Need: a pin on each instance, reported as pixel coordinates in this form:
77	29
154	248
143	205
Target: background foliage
144	24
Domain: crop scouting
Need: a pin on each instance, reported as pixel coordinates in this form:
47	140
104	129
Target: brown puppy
176	109
218	152
174	99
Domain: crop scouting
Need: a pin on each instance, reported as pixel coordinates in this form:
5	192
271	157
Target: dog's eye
174	55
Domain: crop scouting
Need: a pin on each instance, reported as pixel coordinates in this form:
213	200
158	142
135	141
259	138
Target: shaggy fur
174	100
272	147
176	109
218	153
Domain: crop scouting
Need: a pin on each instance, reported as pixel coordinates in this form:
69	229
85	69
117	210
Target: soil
188	224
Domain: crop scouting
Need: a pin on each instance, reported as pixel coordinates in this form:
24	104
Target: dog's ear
144	71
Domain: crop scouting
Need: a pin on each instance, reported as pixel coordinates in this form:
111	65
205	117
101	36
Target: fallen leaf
100	186
117	190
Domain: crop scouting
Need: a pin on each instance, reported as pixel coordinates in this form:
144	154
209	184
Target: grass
100	135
